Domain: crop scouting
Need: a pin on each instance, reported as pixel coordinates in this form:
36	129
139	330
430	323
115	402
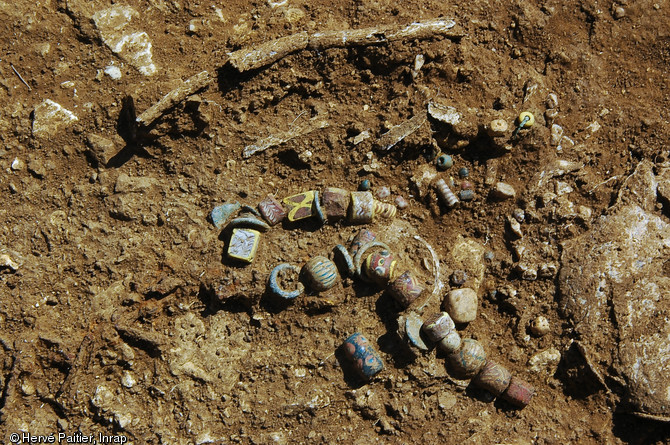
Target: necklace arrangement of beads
371	261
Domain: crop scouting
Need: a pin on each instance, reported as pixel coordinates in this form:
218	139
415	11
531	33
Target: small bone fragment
266	53
284	136
400	132
189	87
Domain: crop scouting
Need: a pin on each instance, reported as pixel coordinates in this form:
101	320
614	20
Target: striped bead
367	361
519	392
320	273
445	193
385	210
405	289
494	378
469	360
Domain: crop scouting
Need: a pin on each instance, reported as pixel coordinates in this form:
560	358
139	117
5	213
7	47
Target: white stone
132	45
556	134
540	326
461	304
17	164
546	361
6	261
50	117
443	113
128	380
552	101
503	191
113	71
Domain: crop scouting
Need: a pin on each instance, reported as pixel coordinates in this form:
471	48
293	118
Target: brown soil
124	315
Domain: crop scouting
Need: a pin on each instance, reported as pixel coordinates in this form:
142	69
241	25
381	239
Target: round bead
320	273
367	361
444	162
519	392
531	119
438	326
466	185
463	172
379	267
362	208
494	378
451	343
382	192
405	289
364	186
401	202
469	360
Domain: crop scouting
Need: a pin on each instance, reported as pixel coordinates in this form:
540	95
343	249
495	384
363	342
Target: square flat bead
271	210
335	203
244	244
300	206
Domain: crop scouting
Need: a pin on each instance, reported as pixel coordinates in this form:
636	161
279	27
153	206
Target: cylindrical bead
437	326
320	273
405	289
363	237
469	360
494	378
272	210
362	208
335	202
367	361
450	343
519	392
385	210
379	267
445	193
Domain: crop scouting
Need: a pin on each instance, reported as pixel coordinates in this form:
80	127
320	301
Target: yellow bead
531	119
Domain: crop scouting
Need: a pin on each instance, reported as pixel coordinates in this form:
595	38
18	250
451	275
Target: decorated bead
250	222
367	361
364	236
382	192
519	392
362	208
379	267
275	288
445	193
271	210
320	273
300	206
437	326
384	210
409	329
469	360
335	202
451	343
493	377
405	289
221	213
444	162
243	244
362	251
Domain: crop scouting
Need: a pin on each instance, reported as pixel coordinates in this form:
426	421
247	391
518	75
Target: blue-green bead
367	361
463	172
364	186
444	162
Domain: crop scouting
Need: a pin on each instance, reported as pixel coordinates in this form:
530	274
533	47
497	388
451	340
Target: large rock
50	117
614	286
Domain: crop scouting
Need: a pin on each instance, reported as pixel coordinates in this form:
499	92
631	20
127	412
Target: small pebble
619	12
462	305
489	255
463	172
497	128
444	162
364	186
17	164
6	261
515	227
502	191
552	101
401	202
540	326
382	192
519	215
556	134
